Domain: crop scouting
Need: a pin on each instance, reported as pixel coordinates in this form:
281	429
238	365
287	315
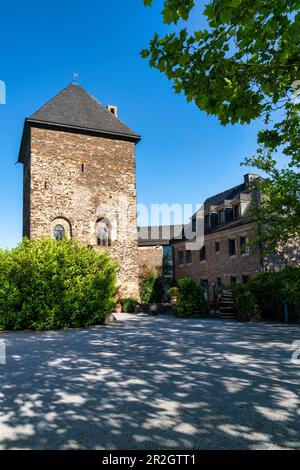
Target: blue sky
185	155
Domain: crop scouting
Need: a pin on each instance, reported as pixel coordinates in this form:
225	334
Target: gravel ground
153	383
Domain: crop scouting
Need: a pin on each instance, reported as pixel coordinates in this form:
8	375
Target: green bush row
45	284
266	293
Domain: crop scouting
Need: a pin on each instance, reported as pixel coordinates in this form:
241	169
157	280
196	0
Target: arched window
59	232
102	231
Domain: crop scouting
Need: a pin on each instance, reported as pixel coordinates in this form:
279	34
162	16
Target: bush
271	289
45	284
245	302
154	288
129	305
191	299
147	282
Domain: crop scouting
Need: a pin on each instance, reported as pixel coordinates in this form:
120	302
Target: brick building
80	178
226	255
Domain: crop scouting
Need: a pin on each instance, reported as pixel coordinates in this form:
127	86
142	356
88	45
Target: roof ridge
225	191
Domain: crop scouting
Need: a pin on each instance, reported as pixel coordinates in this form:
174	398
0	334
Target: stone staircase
227	307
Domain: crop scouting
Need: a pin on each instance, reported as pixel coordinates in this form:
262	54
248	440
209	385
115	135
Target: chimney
113	110
249	177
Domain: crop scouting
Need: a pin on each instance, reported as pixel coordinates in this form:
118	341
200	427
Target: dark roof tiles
75	108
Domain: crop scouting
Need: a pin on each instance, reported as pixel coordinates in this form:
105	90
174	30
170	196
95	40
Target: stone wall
76	180
150	256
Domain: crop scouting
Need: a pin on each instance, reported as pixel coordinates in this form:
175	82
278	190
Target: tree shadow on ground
155	383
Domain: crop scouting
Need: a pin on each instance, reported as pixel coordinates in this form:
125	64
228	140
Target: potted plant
118	308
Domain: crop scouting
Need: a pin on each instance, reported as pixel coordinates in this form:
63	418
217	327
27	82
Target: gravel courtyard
152	383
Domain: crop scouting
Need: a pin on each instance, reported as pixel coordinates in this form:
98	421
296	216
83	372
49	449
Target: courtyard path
159	382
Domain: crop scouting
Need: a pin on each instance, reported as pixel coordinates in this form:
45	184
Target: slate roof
75	110
229	194
158	234
74	107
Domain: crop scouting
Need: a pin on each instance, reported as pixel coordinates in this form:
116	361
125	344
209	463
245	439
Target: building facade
226	255
80	179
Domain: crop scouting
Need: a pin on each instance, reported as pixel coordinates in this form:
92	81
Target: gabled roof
75	110
229	194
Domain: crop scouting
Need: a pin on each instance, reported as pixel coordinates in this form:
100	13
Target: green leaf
235	3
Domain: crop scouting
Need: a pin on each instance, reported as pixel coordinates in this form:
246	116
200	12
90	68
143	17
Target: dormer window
221	217
214	219
237	211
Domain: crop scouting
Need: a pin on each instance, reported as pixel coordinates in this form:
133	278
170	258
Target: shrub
191	300
45	284
147	282
154	288
245	302
129	305
271	289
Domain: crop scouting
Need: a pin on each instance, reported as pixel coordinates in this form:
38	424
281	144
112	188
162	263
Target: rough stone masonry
75	179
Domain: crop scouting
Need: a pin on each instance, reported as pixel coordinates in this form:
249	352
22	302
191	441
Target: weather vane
75	77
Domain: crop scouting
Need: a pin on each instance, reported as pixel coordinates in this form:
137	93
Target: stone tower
80	178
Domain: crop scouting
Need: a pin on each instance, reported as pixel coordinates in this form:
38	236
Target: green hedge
246	305
50	285
271	289
190	300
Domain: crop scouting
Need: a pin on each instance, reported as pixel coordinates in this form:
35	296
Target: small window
180	257
219	282
245	278
236	211
232	279
45	185
59	232
206	221
202	254
232	247
82	167
244	245
214	219
221	217
168	269
228	215
188	256
103	237
217	247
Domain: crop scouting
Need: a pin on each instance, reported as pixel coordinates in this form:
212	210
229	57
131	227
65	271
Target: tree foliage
45	284
244	65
